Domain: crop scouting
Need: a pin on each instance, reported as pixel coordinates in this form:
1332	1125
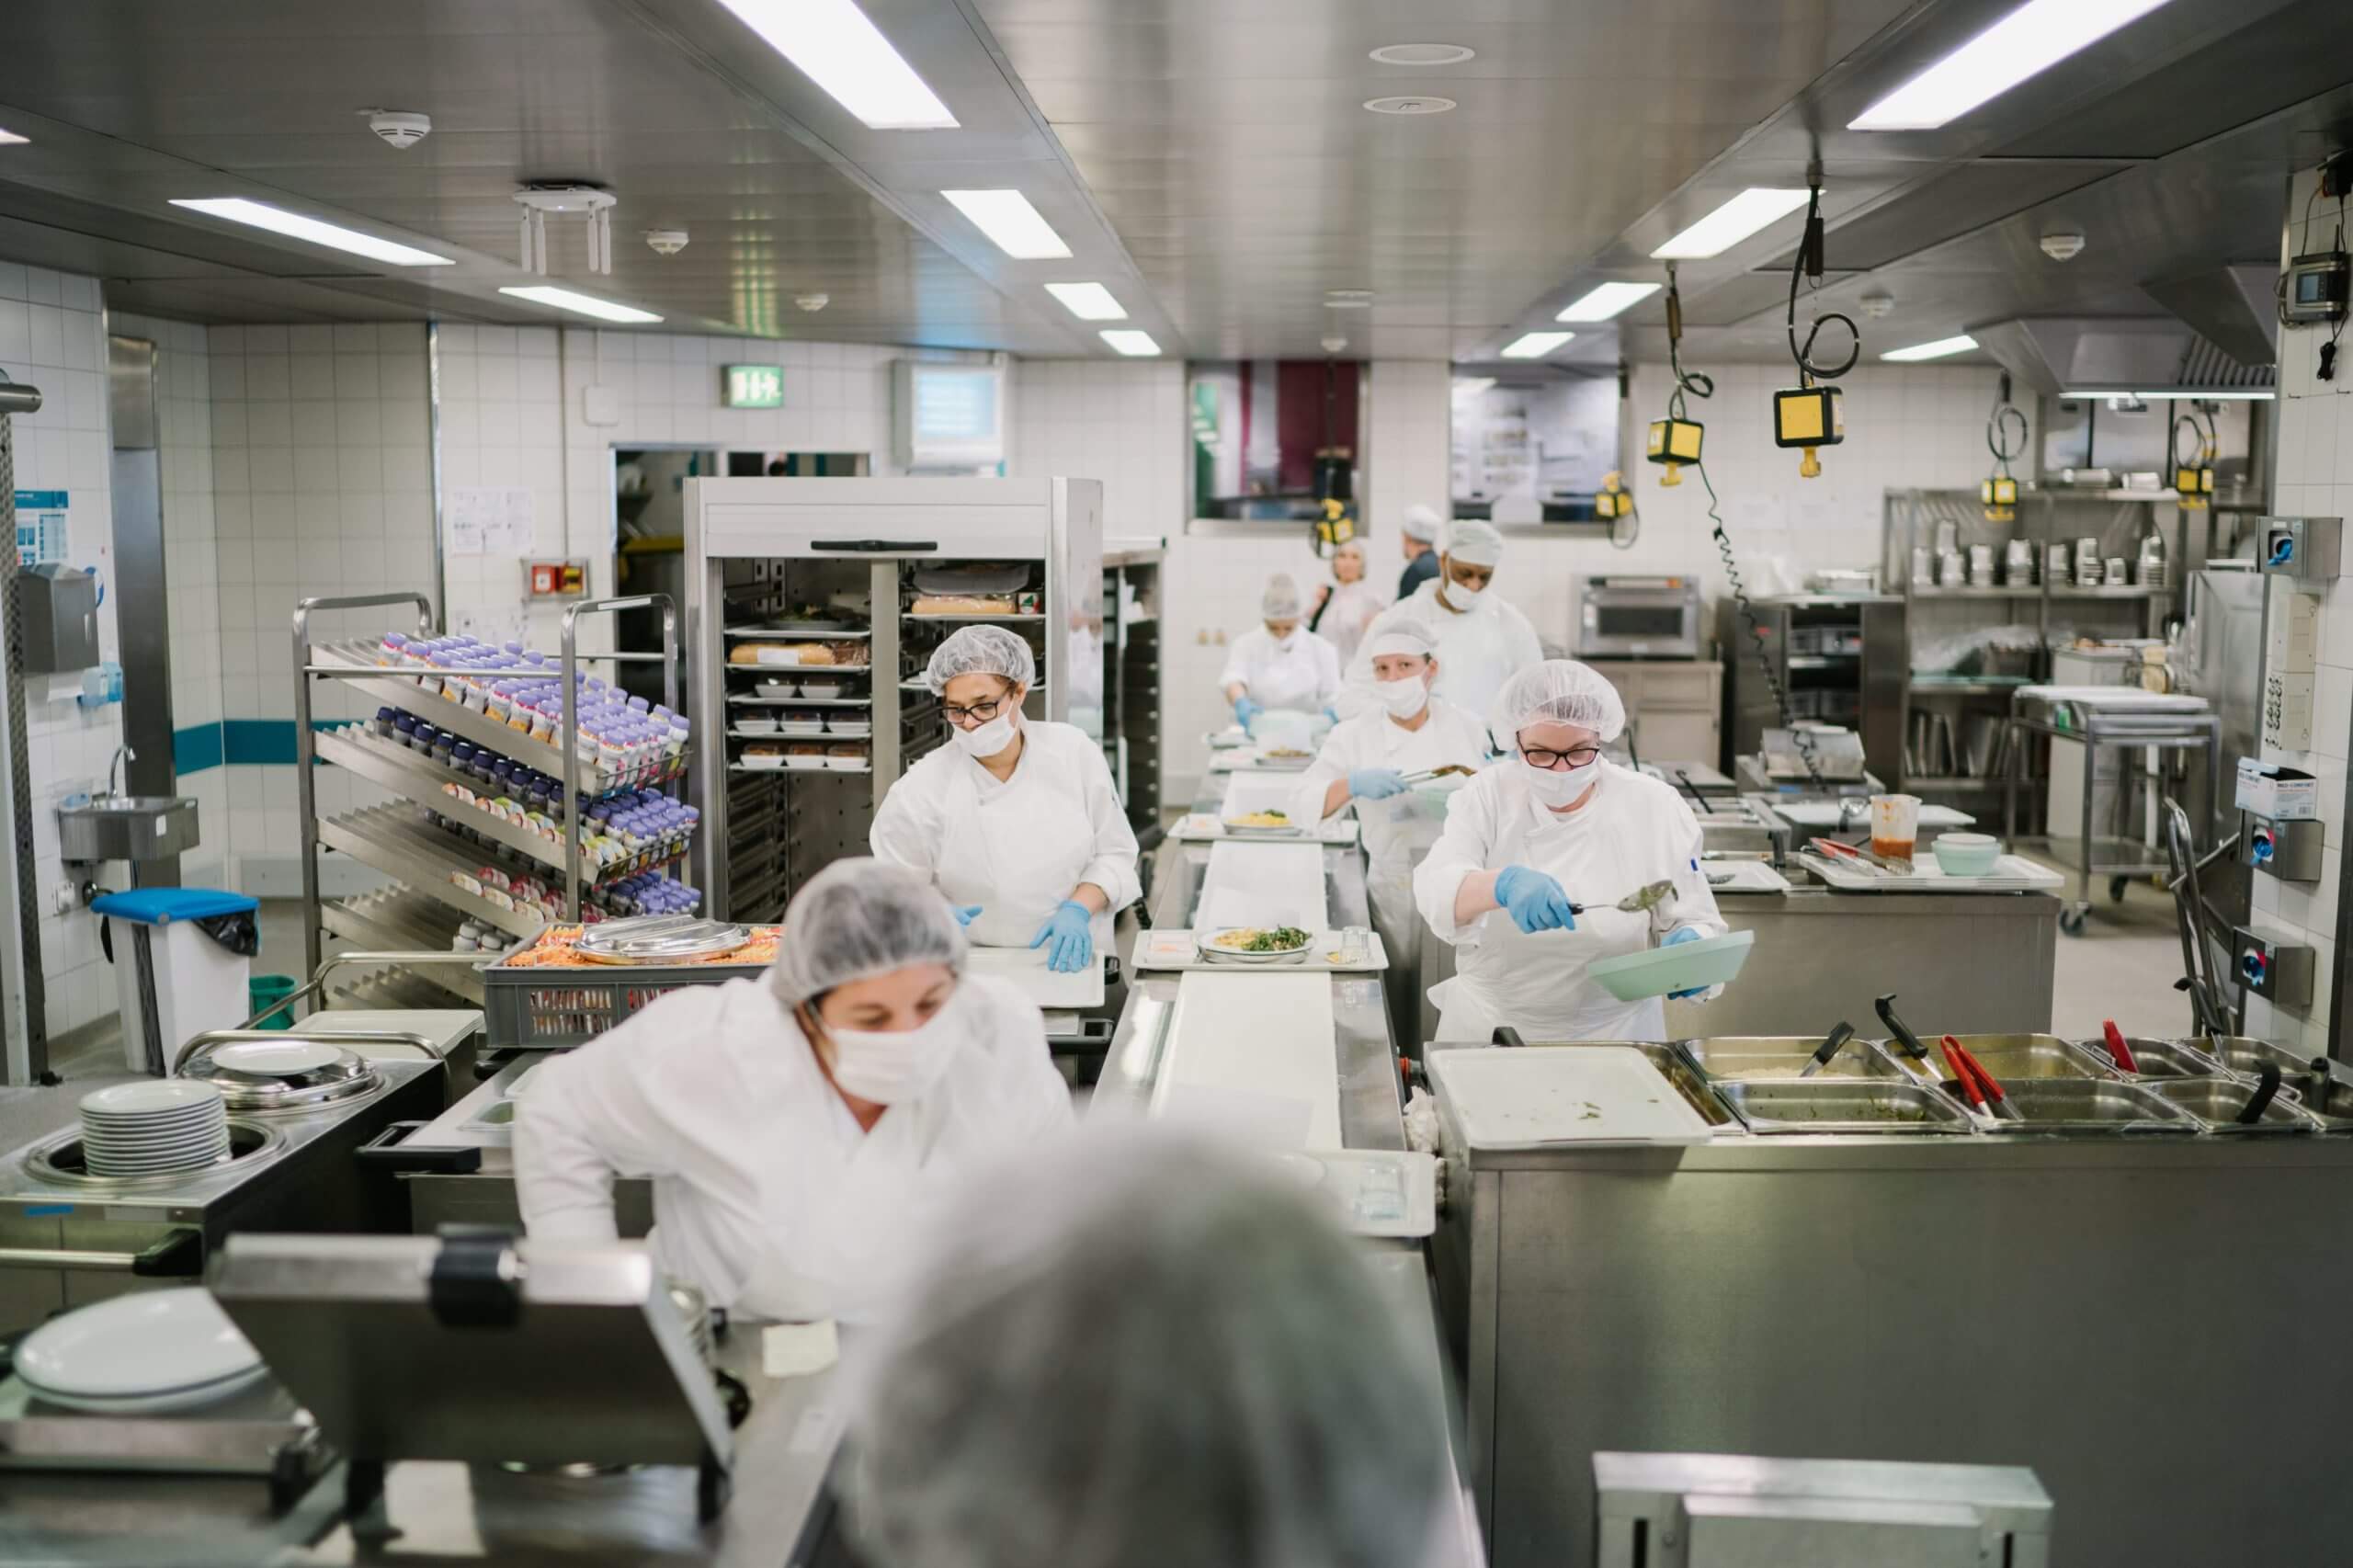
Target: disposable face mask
1559	786
985	740
1403	699
889	1068
1461	595
1288	640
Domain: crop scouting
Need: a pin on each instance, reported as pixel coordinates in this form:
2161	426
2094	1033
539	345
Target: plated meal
1261	820
1259	943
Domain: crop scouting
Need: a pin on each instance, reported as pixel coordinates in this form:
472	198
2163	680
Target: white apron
1016	849
1474	659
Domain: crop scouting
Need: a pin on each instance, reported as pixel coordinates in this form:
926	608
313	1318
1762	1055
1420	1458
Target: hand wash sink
127	827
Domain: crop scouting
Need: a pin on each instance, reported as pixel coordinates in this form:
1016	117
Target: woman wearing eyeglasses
1535	853
1016	821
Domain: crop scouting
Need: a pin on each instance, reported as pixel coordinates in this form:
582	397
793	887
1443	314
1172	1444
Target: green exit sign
753	386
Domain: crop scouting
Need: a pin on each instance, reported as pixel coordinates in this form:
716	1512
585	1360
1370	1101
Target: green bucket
267	990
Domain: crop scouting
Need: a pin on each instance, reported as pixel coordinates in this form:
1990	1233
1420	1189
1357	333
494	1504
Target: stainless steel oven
1628	616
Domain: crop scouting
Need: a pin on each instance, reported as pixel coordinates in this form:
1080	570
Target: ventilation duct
2056	354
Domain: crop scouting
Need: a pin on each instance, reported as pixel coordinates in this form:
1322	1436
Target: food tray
833	631
1251	759
1823	1105
1742	876
550	1007
1505	1097
1173	949
1689	966
1205	828
2011	873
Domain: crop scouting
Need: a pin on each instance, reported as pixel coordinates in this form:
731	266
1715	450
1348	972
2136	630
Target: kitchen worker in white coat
1347	604
802	1128
1364	762
1481	641
1279	663
1535	854
1017	823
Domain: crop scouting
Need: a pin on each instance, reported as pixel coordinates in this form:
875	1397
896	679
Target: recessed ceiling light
1007	218
1348	298
1128	341
1535	345
1424	55
1733	221
2028	41
10	139
581	304
836	47
1472	386
1088	301
1937	350
293	225
1607	300
1415	104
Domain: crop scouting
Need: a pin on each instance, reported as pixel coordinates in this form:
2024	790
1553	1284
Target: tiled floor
2122	967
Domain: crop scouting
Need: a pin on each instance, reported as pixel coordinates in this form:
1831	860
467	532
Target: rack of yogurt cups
623	742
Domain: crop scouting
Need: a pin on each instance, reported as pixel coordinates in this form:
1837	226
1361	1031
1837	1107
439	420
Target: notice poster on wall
40	526
487	520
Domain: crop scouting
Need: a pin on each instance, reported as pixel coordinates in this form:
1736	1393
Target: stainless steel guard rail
179	1255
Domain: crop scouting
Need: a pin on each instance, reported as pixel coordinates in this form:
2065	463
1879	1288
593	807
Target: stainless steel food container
2023	1057
1824	1105
2086	1106
2157	1058
2217	1102
1732	1058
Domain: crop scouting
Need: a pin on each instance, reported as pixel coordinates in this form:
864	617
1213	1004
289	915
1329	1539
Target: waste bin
182	965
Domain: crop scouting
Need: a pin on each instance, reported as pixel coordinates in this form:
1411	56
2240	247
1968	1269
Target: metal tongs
2117	1049
1838	851
1983	1089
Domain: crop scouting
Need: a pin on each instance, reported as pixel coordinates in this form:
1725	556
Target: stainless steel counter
2119	1314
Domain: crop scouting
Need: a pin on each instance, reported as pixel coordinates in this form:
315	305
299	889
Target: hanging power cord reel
1810	415
1999	490
1675	442
2193	476
1613	503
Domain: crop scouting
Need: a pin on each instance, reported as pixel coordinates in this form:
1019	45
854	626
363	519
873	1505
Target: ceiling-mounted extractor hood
2151	357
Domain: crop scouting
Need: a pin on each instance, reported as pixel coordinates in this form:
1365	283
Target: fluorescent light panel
836	47
1088	301
10	139
1535	345
1135	344
1937	350
1607	301
294	226
2028	41
581	304
1733	221
1008	219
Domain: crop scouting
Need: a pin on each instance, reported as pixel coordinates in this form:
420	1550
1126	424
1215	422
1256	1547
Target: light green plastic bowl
1966	854
1686	966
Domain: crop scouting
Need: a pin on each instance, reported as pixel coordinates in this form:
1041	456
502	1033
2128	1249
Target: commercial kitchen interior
1935	399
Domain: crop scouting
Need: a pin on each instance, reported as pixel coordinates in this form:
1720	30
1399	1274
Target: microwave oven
1625	617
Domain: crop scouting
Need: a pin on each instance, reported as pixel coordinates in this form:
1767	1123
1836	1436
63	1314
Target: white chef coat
1398	831
1304	673
1478	650
766	1194
1016	848
1632	830
1351	608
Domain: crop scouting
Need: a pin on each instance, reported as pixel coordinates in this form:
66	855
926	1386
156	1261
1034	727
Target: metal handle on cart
316	986
391	1150
876	546
179	1255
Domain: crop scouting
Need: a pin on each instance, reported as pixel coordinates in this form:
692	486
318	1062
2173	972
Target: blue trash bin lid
161	906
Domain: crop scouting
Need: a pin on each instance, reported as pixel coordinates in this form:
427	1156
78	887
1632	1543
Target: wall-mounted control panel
2290	658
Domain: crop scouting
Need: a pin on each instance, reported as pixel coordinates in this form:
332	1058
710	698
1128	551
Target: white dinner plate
139	1148
140	1405
276	1058
147	1343
148	1096
195	1116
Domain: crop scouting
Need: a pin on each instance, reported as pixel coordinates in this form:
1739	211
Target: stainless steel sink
127	827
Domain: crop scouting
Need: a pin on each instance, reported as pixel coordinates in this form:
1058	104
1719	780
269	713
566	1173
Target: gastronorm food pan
2217	1102
2024	1057
2157	1058
1825	1104
2088	1106
1784	1056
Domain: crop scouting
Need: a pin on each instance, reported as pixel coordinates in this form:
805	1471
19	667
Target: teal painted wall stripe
196	748
240	742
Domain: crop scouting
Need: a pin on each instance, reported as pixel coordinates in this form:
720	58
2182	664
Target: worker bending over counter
1280	664
1535	855
1017	823
1481	641
799	1129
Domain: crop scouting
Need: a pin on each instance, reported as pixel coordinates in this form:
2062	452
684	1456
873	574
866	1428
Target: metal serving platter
2089	1106
2217	1102
660	939
1737	1057
1823	1105
2158	1058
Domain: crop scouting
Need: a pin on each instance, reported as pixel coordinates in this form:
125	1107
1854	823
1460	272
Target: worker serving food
1536	853
1279	663
799	1127
1017	821
1366	761
1480	640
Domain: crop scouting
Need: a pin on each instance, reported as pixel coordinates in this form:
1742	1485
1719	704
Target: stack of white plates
154	1128
149	1351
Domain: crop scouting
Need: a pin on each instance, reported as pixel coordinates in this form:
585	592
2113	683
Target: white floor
2122	967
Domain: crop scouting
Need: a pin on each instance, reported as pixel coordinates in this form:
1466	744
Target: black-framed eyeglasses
981	712
1545	757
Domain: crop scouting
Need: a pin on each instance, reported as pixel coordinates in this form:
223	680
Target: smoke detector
399	129
1876	303
2062	247
1334	343
666	241
1413	103
812	302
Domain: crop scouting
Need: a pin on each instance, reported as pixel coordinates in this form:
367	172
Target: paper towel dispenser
58	606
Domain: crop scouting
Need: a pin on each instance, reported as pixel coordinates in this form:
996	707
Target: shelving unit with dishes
470	834
1997	597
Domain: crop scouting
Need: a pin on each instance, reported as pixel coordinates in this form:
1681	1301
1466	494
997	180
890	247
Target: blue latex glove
1244	709
966	913
1330	713
1675	939
1535	902
1071	932
1376	783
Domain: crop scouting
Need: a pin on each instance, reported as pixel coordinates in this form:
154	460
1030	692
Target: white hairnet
1349	547
859	917
1403	639
1142	1352
981	651
1280	601
1472	542
1422	522
1560	691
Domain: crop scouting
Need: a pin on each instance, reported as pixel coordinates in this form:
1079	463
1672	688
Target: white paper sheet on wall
493	623
488	520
